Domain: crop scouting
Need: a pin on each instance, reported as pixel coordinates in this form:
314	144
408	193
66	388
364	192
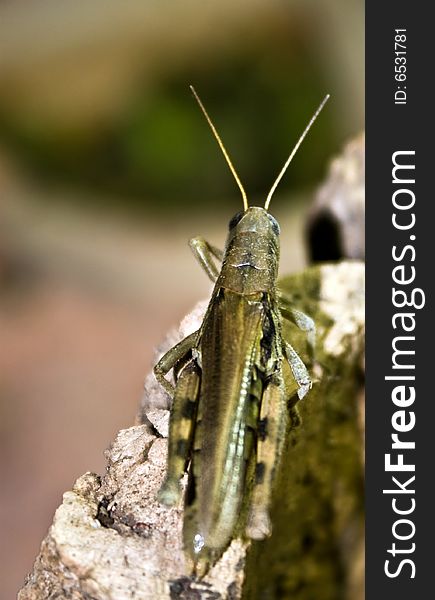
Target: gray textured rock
110	539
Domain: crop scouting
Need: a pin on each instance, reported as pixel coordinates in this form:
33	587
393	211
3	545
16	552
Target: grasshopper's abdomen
227	416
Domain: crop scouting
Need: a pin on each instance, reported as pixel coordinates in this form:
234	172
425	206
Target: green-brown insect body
233	359
230	400
234	378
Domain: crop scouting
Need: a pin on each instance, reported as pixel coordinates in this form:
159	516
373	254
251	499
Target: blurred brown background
107	167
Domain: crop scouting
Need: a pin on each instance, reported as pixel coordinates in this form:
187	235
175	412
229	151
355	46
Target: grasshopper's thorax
250	263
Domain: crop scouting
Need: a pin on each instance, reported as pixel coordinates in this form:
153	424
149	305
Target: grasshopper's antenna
222	147
295	149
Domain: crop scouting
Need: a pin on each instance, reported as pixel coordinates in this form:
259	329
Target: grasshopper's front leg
204	253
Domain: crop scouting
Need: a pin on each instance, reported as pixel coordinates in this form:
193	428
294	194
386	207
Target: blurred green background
107	167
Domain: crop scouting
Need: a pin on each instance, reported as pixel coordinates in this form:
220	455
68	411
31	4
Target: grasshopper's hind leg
270	439
274	414
183	412
181	426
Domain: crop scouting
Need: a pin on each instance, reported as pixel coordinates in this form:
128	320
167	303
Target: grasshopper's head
254	220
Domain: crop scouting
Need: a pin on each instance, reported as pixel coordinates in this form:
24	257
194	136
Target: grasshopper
234	378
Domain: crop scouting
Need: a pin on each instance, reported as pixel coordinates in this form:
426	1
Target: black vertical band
400	256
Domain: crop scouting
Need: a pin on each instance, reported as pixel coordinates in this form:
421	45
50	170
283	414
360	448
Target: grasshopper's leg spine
270	440
204	253
170	359
181	426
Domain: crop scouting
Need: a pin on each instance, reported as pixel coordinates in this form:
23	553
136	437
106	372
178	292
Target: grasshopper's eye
274	223
235	220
